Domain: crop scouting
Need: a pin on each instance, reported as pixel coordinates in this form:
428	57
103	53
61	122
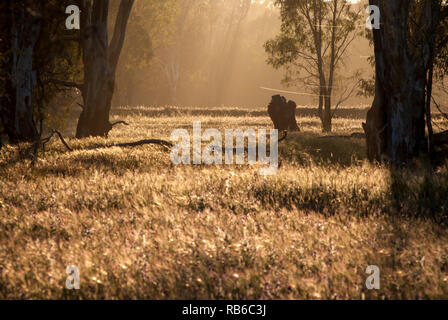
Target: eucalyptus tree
314	38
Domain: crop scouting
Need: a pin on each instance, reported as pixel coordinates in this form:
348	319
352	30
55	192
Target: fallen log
356	135
136	144
32	151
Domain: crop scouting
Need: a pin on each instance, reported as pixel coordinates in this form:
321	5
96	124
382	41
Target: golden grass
139	227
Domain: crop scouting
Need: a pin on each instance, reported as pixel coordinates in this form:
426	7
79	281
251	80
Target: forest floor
138	226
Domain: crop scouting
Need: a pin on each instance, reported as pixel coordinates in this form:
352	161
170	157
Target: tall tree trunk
324	109
100	63
326	120
435	16
16	107
320	108
395	128
429	84
326	123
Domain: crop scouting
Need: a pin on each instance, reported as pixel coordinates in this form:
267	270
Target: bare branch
346	97
119	122
53	132
440	109
142	142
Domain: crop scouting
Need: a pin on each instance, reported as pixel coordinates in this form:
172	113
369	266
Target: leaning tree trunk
16	106
395	128
100	63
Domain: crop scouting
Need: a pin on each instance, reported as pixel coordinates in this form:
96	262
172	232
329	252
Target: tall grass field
139	227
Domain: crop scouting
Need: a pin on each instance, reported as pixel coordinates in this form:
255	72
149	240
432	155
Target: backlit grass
139	227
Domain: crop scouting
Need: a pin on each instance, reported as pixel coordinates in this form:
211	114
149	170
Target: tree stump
283	114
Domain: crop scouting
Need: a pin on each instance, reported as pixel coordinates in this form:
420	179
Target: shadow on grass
332	150
78	164
419	193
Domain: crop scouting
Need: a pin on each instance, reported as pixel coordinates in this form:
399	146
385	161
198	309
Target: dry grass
139	227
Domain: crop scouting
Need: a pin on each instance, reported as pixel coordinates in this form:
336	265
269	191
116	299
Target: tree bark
395	127
17	109
326	120
326	123
100	63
